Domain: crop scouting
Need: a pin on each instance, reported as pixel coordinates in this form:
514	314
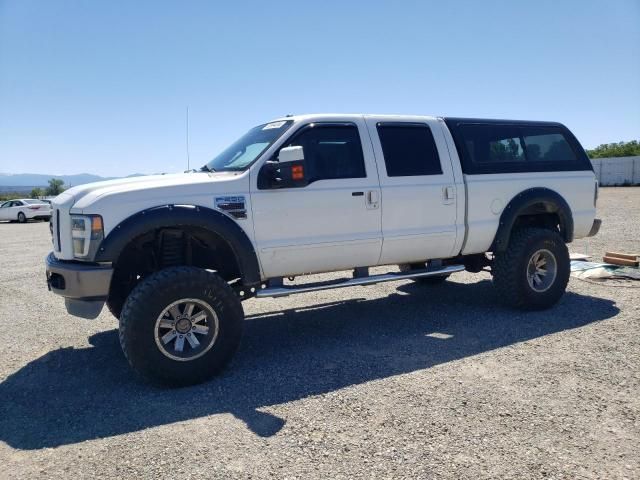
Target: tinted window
495	148
331	152
408	150
493	144
547	145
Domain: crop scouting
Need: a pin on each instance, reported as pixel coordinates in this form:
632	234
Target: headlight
86	234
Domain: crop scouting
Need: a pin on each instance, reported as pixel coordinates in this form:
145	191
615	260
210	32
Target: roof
495	121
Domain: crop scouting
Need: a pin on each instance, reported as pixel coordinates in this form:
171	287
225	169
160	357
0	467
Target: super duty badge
234	206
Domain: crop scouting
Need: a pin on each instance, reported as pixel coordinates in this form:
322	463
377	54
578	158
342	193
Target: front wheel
533	272
180	326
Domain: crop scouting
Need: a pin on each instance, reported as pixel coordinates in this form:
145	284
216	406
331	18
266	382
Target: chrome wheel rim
542	270
186	329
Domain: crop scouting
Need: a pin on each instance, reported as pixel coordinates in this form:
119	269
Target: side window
547	144
408	149
506	150
487	144
518	147
331	152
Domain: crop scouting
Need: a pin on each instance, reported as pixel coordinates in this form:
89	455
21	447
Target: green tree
37	193
56	187
620	149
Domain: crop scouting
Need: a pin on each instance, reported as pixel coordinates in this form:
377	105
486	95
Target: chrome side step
350	282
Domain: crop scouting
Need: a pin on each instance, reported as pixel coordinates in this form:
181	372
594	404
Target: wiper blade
206	168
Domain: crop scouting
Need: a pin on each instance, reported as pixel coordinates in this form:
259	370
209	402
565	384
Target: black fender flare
523	203
183	215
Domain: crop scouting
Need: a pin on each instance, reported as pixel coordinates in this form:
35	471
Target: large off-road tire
180	326
435	280
533	272
22	218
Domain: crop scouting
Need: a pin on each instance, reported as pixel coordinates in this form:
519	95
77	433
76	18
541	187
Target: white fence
617	171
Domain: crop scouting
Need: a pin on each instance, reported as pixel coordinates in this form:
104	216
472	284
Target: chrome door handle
372	199
448	194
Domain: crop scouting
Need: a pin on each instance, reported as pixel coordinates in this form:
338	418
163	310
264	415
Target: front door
419	201
334	221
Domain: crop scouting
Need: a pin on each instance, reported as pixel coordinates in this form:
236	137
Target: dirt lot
389	381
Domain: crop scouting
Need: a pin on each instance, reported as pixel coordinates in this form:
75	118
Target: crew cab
173	256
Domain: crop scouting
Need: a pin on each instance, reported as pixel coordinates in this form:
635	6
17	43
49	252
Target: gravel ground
389	381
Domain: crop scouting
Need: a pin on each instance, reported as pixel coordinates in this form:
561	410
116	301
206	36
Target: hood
84	196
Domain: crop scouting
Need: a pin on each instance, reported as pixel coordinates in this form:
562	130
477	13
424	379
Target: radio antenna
187	138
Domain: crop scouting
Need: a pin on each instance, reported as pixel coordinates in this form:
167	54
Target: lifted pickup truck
173	256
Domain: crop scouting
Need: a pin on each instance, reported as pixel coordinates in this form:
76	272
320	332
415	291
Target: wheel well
170	247
536	207
542	215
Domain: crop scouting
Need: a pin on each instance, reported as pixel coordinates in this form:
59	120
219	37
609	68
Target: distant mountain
40	180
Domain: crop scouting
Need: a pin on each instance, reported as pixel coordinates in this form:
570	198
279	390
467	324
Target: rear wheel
180	326
21	217
534	270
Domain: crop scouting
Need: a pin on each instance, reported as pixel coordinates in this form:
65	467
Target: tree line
620	149
56	187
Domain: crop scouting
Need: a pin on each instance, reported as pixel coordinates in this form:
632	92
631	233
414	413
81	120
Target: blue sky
102	87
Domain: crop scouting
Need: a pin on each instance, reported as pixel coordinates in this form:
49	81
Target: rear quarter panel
489	194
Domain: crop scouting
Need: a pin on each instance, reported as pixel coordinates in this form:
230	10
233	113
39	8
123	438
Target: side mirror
286	172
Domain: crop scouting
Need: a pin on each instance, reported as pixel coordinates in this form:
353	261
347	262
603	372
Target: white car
24	209
172	256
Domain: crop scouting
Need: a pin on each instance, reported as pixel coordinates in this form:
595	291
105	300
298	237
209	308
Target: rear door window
409	149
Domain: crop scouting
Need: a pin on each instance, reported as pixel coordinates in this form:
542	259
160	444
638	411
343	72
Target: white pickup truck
173	256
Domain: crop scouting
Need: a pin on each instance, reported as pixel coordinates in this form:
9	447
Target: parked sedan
25	209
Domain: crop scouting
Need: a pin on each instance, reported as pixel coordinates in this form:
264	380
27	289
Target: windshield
248	148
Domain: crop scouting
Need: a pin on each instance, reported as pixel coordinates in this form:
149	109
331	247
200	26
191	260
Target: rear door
419	194
334	222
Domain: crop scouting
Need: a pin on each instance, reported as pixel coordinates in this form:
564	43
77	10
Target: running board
350	282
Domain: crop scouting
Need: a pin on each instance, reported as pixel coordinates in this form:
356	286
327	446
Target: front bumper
85	287
595	228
